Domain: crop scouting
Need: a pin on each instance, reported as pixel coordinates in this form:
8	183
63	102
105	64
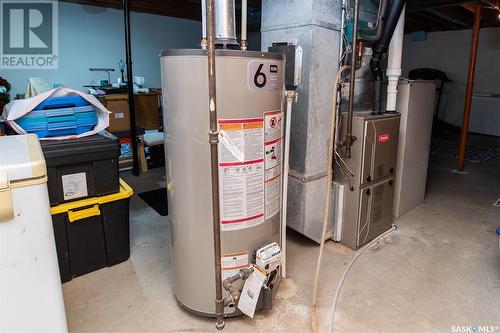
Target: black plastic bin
92	233
81	168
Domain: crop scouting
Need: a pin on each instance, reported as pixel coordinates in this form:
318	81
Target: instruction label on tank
231	263
264	75
241	173
273	139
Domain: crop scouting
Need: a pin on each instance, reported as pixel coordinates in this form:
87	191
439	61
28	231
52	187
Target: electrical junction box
268	257
293	64
368	193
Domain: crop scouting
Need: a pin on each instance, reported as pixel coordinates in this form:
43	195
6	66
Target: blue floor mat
474	154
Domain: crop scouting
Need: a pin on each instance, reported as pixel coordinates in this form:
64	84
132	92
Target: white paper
74	185
250	293
19	107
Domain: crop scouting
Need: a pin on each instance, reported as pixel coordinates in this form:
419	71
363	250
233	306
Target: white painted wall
94	37
449	51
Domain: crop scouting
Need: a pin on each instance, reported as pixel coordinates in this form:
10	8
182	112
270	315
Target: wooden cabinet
147	114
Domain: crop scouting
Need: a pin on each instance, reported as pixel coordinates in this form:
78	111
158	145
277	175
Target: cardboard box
119	119
146	111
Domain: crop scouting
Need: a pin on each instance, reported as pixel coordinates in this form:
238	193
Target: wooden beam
460	13
447	17
174	8
414	6
462	148
435	23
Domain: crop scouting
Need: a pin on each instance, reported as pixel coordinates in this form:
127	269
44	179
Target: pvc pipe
244	6
394	63
204	24
290	96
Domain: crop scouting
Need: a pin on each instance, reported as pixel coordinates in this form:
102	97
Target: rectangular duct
315	26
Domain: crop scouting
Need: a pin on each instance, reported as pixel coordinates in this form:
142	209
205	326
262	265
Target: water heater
250	123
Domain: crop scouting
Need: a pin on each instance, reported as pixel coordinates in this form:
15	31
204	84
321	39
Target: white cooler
31	297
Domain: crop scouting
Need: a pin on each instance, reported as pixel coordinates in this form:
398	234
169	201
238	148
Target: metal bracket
297	75
213	137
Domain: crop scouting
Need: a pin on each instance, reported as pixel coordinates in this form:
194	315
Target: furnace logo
382	138
28	34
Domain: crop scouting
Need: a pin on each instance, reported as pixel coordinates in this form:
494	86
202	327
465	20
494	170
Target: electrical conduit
290	96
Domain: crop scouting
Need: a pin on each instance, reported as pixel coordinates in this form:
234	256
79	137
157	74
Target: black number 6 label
260	78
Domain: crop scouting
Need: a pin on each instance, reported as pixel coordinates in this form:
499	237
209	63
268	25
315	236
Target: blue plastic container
498	234
60	116
62	102
59	125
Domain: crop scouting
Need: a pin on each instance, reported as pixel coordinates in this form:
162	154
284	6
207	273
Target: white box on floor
31	296
416	105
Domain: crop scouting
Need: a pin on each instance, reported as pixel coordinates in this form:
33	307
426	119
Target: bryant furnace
367	177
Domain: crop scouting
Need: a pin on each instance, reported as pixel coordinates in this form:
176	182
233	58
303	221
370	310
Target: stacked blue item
60	116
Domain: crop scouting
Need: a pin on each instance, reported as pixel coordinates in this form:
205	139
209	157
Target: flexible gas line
331	314
326	211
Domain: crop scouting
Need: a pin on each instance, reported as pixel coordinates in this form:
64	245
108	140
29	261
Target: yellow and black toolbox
92	233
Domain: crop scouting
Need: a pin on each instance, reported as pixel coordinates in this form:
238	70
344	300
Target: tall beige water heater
251	123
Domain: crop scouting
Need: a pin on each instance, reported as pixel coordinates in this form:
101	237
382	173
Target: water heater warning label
273	137
241	173
231	263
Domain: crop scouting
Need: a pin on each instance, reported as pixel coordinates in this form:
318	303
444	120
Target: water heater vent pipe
394	63
225	22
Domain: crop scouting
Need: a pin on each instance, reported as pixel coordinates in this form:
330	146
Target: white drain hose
331	314
326	211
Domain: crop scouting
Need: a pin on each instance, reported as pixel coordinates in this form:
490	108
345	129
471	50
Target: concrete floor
440	269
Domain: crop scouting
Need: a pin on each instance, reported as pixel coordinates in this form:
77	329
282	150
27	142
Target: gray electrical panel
368	177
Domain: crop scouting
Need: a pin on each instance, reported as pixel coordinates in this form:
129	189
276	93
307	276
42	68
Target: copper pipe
213	135
470	89
349	138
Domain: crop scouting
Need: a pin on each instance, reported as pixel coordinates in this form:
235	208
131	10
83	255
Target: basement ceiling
421	15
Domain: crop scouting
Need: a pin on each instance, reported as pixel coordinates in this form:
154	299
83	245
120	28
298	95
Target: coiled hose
331	314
